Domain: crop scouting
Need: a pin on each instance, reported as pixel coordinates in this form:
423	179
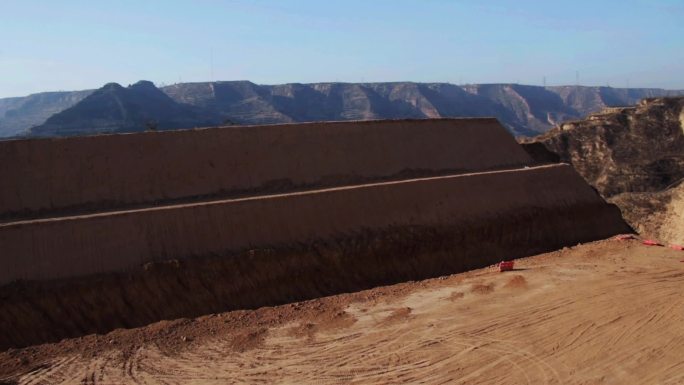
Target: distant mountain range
18	115
114	108
524	110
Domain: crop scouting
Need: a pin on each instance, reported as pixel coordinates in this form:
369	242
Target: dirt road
610	312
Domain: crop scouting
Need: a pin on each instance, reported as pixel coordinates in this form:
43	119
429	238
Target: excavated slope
73	246
259	251
118	231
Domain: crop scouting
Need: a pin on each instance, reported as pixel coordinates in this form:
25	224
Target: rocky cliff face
634	156
633	149
587	100
524	110
248	103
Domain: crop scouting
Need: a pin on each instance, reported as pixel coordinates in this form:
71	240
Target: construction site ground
608	312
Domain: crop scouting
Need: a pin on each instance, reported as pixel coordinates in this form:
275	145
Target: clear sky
77	44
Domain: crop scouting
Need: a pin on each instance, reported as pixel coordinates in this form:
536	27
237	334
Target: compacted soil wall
60	176
65	247
95	273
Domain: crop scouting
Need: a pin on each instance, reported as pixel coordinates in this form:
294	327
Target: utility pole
577	78
544	81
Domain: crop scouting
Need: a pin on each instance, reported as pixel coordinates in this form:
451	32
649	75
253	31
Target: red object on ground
650	242
624	237
506	265
677	247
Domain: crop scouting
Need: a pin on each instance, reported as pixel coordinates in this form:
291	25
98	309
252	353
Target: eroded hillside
634	157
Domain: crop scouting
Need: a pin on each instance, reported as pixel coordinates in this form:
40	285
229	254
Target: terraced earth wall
94	273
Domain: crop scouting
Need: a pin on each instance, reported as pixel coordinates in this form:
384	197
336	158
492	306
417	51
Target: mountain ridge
525	110
114	108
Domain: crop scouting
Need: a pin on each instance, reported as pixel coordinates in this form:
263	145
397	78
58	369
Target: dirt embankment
37	312
57	248
73	275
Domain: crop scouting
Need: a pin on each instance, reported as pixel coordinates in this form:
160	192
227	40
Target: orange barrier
506	265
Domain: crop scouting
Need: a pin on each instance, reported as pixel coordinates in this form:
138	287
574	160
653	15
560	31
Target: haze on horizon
78	44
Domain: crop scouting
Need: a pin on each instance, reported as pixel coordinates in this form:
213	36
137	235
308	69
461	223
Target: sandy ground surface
610	312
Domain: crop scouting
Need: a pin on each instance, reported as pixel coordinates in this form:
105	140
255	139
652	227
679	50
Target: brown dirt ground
609	312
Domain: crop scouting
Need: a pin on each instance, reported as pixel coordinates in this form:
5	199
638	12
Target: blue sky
71	44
